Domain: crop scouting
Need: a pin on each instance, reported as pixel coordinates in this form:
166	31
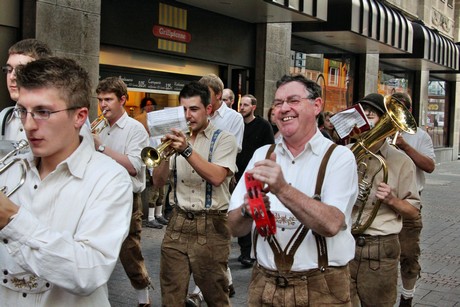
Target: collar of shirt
76	162
121	122
315	144
221	111
383	150
207	132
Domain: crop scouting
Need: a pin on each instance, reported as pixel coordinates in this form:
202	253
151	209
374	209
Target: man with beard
257	132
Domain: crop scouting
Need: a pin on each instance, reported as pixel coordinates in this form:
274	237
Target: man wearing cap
374	269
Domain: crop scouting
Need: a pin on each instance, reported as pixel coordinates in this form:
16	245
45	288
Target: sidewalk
440	243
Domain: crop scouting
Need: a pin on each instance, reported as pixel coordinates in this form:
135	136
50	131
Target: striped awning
361	26
432	51
266	11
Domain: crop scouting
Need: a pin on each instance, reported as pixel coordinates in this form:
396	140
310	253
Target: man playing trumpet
197	238
374	269
123	140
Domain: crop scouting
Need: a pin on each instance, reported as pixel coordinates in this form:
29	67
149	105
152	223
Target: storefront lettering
171	34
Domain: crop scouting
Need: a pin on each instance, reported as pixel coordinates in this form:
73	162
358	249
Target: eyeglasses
7	69
38	114
291	101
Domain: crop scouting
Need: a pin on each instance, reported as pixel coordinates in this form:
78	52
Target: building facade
350	47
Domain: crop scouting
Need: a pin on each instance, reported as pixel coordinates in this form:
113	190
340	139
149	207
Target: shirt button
5	241
47	284
35	187
20	129
24	295
193	191
5	272
293	162
5	281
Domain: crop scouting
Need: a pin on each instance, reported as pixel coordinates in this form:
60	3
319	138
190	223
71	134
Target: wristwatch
101	148
187	152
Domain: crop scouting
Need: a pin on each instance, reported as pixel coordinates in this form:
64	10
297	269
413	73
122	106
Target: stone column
273	58
71	29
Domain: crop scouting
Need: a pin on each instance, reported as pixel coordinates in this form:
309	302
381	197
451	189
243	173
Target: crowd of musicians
321	220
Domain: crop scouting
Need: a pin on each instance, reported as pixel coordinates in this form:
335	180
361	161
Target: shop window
334	75
436	113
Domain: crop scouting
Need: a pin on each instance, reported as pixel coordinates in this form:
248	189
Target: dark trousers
245	244
130	255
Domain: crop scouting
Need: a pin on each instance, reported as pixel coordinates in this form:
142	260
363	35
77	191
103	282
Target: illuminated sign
171	34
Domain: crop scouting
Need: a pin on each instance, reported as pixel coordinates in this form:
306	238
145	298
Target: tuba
99	123
22	144
397	118
152	157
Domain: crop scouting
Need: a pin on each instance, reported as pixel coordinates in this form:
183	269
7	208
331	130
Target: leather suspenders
285	258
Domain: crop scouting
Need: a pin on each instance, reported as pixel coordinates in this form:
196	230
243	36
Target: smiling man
197	238
305	215
61	232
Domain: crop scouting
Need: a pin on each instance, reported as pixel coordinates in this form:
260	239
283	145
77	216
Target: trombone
100	123
22	144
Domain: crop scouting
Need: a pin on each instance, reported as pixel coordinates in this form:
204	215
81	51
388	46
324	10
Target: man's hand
270	173
7	209
384	194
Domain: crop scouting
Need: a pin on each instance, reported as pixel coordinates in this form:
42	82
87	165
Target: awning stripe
375	20
437	48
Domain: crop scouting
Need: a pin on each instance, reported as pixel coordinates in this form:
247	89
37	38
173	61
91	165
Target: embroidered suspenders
285	258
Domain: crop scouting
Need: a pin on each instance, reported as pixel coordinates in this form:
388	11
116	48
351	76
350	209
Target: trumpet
99	123
22	144
153	157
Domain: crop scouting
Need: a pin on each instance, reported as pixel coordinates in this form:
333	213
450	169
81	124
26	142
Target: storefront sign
154	81
171	34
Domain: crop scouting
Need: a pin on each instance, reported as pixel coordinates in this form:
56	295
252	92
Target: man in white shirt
123	141
289	175
62	230
419	147
21	53
222	116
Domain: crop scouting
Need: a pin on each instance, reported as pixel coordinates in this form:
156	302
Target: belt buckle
361	241
281	281
190	215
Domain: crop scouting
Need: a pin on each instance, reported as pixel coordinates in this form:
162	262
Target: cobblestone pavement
440	281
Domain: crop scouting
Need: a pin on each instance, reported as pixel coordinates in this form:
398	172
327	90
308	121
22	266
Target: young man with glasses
62	230
289	176
123	141
21	53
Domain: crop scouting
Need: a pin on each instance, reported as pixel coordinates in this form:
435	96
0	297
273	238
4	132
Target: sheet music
160	122
346	120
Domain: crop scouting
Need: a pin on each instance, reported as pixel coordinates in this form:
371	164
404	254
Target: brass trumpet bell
152	157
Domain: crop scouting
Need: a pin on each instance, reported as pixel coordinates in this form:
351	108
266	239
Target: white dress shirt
421	142
339	189
62	247
128	136
231	121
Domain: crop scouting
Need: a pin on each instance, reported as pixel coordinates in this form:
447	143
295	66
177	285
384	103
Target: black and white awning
360	26
432	51
266	11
